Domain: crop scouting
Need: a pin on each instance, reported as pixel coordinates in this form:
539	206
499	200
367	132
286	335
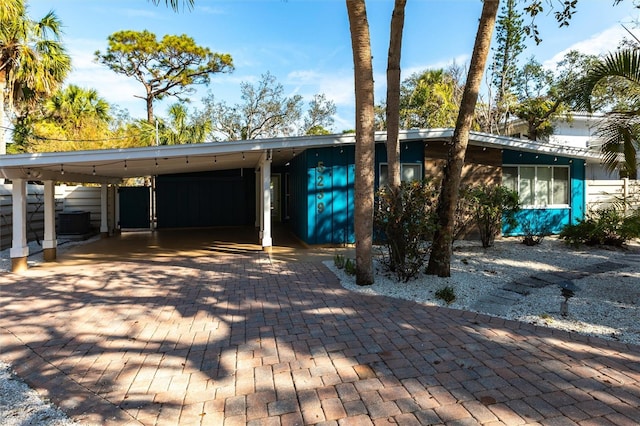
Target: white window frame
535	183
382	182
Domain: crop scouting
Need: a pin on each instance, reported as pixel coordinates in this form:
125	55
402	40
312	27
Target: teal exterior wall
322	193
410	152
322	190
554	219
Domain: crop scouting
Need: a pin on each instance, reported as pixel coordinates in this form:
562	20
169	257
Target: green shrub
607	226
405	219
338	260
447	294
491	205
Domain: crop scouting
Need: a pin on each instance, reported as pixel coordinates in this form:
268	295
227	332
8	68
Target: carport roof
113	165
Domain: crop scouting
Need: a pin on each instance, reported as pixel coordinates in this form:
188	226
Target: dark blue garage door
224	198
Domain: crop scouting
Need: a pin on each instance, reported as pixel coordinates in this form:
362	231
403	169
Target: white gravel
606	305
21	406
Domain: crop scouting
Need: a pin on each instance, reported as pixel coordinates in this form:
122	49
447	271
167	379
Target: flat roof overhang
114	165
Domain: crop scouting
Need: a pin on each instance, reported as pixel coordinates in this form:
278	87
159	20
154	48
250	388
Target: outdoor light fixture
187	159
94	170
243	155
125	164
156	162
61	169
215	158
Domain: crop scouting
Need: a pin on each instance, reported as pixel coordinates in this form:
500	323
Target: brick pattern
236	339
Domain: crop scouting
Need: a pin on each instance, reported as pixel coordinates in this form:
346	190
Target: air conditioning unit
74	223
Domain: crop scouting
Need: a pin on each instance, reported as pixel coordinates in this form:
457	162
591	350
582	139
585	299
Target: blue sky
305	44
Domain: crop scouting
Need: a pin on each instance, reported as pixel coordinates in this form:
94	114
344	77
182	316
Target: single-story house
307	182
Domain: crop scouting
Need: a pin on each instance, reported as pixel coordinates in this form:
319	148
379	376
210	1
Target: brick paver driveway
235	339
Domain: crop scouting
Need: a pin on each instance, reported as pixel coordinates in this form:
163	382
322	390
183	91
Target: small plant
338	260
447	294
491	206
535	230
350	267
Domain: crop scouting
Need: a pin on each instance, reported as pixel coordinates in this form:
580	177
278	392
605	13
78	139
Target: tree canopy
265	112
33	61
166	67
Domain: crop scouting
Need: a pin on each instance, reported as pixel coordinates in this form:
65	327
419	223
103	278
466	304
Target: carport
110	167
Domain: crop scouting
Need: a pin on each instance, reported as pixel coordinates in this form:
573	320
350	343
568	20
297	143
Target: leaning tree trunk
365	139
440	258
393	94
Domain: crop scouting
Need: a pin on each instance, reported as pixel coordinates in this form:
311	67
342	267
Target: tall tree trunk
365	140
440	258
149	109
393	94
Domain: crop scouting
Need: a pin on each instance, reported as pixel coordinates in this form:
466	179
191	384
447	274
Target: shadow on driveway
217	335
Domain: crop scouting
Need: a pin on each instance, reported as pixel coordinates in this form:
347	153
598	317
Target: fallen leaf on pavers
487	400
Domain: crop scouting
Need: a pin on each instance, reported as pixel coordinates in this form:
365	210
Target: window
539	186
408	172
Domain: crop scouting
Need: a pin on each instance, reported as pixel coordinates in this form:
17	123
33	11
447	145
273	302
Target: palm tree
430	99
620	130
393	93
365	139
440	258
180	130
74	108
33	61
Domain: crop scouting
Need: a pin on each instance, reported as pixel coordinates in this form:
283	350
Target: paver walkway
501	300
234	339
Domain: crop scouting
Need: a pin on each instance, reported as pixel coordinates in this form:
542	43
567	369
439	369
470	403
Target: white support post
265	168
50	242
258	220
104	212
19	248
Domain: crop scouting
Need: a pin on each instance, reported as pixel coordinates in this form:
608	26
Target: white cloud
460	60
598	44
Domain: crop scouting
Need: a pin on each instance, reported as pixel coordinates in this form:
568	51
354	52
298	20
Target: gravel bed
606	305
21	406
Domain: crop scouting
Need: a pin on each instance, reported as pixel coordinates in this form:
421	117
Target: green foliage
491	205
509	45
427	99
405	218
33	64
182	127
339	261
464	213
607	226
447	294
535	230
167	67
350	267
319	117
